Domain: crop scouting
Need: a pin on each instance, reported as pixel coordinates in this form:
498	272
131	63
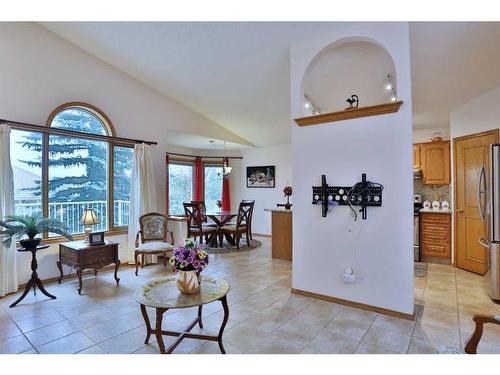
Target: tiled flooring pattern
264	316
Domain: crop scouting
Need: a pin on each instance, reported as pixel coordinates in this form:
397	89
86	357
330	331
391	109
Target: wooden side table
82	256
34	281
163	295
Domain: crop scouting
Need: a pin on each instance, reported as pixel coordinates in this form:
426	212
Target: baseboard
261	235
358	305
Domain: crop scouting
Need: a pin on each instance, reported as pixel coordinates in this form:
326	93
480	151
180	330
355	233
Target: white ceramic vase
188	282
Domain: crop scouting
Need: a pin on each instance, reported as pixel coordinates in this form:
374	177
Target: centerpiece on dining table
188	261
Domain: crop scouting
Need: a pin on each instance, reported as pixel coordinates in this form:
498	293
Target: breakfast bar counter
281	233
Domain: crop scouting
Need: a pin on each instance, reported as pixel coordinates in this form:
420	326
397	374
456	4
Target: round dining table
220	219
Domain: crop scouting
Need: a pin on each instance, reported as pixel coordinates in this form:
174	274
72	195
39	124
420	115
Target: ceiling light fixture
226	169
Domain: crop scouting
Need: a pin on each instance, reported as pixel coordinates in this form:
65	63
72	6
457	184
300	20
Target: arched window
81	117
80	172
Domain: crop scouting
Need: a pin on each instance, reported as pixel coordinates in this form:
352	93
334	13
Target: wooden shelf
373	110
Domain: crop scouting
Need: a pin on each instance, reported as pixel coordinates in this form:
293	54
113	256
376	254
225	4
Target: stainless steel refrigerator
488	197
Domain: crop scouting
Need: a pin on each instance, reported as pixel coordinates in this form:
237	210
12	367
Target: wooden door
416	156
435	161
470	153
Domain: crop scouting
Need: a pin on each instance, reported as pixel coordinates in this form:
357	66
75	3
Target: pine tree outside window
80	173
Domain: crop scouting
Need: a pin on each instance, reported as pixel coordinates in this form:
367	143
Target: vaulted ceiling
237	74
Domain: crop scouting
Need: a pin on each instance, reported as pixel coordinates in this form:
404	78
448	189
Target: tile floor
264	316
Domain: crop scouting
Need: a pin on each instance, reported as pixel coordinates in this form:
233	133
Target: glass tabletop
222	213
164	293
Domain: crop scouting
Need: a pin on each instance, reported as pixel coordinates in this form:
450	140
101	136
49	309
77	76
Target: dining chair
195	227
203	213
152	238
251	217
244	213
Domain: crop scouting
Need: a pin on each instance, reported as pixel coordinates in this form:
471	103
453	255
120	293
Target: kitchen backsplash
432	192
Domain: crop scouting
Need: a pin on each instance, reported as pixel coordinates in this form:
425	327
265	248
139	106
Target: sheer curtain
142	193
8	268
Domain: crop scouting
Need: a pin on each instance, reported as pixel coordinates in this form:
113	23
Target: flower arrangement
287	191
189	257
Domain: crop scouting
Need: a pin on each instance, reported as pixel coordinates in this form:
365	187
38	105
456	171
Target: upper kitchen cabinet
435	162
416	157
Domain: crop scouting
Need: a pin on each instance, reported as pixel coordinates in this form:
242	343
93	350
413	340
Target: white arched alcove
349	66
380	249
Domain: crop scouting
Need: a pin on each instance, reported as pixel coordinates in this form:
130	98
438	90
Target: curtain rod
56	131
204	157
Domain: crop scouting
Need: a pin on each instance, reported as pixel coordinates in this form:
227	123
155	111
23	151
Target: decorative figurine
288	192
353	102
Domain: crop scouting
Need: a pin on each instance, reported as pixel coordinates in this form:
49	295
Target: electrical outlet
348	275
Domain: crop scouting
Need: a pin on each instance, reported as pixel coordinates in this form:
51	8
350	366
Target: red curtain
226	200
198	180
166	185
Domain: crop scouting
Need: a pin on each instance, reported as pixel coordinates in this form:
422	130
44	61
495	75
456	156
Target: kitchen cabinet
434	160
435	235
416	157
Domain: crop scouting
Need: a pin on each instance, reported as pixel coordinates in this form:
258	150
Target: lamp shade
89	217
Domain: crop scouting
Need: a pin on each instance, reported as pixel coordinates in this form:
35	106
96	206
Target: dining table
221	218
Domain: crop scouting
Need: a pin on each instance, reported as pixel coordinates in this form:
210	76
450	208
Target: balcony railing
71	212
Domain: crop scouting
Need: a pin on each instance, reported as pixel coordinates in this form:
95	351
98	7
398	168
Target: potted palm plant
19	227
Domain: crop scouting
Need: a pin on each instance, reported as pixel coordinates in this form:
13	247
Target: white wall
279	156
478	115
425	135
39	71
380	248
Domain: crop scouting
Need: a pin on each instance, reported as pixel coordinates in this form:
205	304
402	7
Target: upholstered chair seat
155	246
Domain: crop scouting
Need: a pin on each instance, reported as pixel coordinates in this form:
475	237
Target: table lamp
89	218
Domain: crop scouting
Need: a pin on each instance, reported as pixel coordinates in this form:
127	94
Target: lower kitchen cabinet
435	235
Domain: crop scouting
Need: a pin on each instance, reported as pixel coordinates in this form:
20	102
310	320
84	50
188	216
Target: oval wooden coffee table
163	295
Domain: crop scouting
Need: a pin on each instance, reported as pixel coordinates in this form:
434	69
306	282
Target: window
213	186
180	186
79	172
122	163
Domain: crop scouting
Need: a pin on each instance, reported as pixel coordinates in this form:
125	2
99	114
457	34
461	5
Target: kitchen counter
277	210
431	211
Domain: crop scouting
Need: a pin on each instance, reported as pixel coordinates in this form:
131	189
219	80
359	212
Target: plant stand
35	280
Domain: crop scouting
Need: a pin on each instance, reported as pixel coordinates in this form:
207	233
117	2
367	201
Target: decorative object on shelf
188	261
31	226
288	193
437	137
96	238
353	102
261	177
364	193
89	218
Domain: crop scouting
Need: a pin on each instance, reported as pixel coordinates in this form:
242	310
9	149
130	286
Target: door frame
494	132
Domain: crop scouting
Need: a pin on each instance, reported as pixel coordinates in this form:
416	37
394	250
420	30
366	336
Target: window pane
213	187
180	187
77	180
79	119
122	169
26	157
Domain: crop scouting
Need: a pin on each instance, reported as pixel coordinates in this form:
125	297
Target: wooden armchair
242	224
473	341
195	227
152	238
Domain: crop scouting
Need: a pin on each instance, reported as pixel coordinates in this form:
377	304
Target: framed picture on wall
261	177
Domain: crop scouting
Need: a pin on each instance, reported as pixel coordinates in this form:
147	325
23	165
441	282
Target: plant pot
30	244
188	282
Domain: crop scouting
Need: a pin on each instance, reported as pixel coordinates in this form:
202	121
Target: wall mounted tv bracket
364	194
